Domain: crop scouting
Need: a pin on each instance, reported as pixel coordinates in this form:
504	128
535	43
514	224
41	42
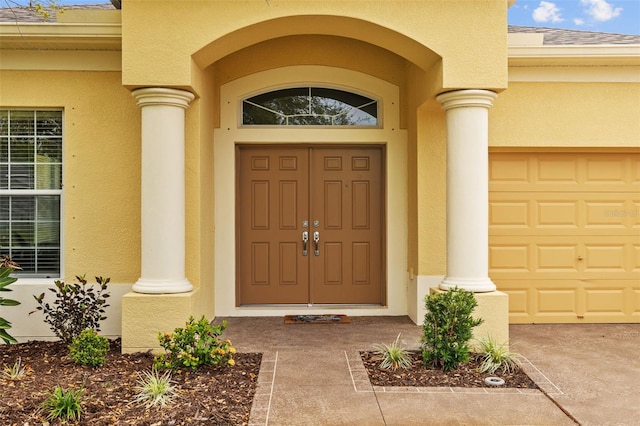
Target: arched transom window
310	106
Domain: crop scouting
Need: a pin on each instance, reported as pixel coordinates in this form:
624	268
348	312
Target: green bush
448	328
89	348
6	268
195	345
63	404
76	308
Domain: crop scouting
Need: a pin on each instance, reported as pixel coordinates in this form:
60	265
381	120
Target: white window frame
35	277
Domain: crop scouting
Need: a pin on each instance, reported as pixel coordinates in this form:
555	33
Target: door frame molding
389	134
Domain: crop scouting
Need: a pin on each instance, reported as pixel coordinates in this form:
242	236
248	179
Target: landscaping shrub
448	328
393	356
89	348
153	389
63	404
76	307
7	266
195	345
495	356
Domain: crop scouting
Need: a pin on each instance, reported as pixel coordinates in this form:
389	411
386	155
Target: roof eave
611	54
61	36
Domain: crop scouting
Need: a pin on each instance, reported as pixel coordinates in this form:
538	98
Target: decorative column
163	182
467	113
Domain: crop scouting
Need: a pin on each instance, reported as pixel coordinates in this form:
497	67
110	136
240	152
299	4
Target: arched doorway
314	149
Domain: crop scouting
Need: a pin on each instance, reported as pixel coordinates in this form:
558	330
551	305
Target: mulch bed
208	396
465	376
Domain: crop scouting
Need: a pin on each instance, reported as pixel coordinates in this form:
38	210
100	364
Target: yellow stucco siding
159	52
313	50
545	114
101	166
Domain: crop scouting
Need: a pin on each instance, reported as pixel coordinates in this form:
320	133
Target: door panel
346	200
339	192
273	189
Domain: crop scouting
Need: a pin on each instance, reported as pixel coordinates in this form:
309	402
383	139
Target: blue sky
612	16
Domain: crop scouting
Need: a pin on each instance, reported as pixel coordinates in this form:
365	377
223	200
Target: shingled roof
558	37
552	36
28	14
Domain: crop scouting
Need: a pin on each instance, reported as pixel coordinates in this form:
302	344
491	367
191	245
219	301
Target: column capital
467	98
163	96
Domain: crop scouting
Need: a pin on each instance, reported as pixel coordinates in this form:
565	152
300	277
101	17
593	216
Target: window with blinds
31	190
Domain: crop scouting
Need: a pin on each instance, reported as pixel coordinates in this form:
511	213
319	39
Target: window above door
310	106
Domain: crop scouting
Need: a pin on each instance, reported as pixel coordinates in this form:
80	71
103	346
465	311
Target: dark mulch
208	396
465	376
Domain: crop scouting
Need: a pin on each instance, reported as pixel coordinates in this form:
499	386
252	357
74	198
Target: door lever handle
305	239
316	240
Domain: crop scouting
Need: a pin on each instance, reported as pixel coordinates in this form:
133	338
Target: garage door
565	235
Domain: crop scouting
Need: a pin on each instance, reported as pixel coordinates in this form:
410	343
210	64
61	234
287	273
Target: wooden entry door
310	225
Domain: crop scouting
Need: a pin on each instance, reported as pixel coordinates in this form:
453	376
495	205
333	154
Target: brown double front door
310	225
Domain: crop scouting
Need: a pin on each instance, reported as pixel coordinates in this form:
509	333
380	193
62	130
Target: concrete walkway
312	375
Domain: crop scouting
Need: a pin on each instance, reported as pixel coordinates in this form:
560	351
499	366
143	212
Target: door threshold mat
316	319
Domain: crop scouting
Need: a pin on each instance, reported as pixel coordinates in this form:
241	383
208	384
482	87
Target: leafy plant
16	372
63	404
393	356
7	266
76	307
195	345
154	389
448	328
89	348
496	356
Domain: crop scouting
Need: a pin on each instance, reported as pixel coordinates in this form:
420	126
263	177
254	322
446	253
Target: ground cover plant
210	395
466	375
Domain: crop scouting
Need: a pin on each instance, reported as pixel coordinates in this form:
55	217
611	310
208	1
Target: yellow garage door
565	235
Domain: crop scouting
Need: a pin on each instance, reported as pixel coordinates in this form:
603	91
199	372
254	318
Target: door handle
305	239
316	240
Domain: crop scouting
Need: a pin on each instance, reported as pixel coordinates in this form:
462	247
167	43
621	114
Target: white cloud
547	12
578	21
600	10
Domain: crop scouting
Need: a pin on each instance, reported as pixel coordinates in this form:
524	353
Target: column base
147	286
146	315
476	285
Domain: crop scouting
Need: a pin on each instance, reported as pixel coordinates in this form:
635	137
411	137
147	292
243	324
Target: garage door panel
604	301
558	169
548	301
567	213
564	235
557	257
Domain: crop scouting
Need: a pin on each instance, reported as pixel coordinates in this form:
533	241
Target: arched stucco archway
230	133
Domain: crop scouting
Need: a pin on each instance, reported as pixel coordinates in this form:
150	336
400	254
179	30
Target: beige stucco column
467	113
163	190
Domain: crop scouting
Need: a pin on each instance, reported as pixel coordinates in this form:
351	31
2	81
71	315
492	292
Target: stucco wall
101	185
101	166
159	51
566	114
